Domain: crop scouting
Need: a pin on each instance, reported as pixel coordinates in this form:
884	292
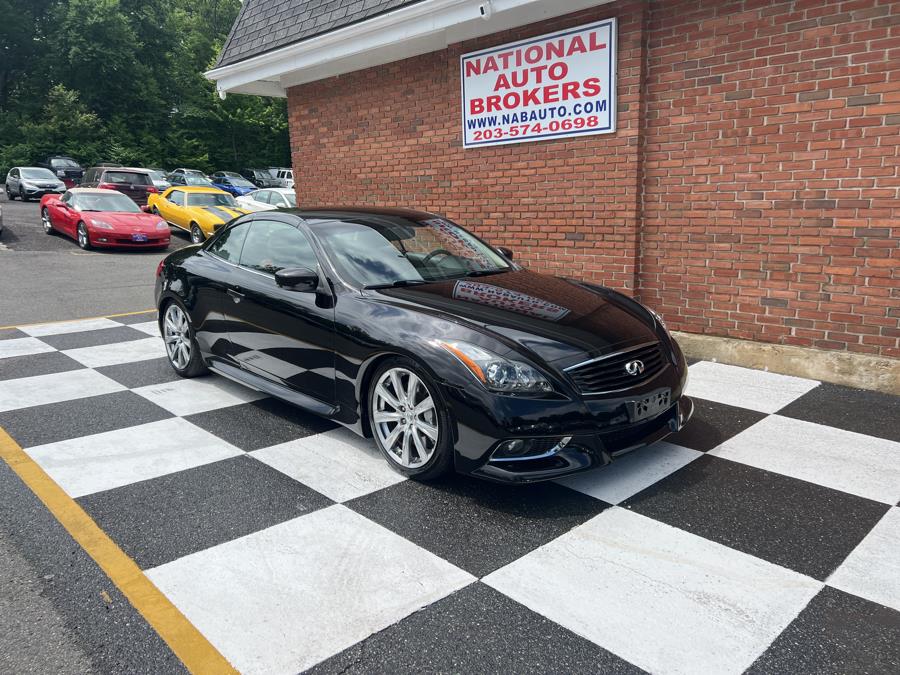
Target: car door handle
237	297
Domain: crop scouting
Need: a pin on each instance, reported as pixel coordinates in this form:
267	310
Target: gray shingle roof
264	25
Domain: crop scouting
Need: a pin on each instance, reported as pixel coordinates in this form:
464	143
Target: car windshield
127	177
395	251
211	199
157	175
96	201
39	174
196	179
231	174
240	182
62	163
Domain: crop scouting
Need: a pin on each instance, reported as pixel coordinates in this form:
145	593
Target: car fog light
520	449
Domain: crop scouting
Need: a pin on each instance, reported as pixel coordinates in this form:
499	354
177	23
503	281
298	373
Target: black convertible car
406	327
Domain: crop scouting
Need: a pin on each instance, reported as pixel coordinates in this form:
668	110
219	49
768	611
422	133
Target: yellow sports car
199	210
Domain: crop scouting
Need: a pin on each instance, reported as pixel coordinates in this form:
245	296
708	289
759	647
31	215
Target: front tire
45	221
409	420
22	195
182	349
197	236
84	239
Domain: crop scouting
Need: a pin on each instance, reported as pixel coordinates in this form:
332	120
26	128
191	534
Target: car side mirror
505	252
300	279
146	208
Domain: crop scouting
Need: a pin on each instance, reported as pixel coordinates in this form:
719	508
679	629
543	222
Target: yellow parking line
88	318
188	644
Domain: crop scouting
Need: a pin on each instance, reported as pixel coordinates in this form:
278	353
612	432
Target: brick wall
751	189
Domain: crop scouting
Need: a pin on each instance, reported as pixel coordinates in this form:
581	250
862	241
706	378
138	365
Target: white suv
285	177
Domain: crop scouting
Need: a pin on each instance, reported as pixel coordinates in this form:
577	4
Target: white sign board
554	86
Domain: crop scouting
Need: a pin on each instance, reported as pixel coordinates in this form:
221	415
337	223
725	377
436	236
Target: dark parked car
260	178
32	182
65	168
406	327
189	177
136	183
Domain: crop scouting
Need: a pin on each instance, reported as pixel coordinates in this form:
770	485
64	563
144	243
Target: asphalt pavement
48	278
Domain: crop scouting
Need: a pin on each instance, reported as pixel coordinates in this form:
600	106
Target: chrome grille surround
606	374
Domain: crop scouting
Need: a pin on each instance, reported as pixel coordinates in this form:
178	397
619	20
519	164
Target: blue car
232	182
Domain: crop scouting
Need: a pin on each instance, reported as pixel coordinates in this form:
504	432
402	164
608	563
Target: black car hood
560	320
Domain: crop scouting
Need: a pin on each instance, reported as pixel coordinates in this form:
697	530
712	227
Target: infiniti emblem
634	367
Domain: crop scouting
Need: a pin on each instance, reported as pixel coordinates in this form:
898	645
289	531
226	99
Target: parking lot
212	522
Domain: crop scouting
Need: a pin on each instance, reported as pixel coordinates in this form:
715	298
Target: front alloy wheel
196	234
45	221
84	241
408	421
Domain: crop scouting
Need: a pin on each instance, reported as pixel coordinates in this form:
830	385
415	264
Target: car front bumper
563	436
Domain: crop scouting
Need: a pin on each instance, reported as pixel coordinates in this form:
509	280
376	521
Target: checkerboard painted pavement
764	537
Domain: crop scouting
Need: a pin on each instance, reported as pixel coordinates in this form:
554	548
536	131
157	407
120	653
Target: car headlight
658	318
162	225
102	224
496	372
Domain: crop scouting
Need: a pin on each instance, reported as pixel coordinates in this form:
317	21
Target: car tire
22	195
9	194
83	237
197	236
178	335
45	221
385	418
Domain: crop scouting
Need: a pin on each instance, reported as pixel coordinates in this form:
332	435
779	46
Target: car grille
608	374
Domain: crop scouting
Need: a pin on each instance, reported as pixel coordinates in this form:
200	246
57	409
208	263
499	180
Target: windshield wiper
484	273
397	284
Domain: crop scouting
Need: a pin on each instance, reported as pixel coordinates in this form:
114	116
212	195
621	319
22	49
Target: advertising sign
554	86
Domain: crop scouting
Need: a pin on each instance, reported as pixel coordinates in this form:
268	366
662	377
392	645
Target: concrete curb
878	373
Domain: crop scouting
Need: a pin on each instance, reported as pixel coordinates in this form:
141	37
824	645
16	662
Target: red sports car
99	217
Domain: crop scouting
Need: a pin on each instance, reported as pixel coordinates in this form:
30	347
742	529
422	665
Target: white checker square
148	327
745	388
26	392
632	473
118	353
666	600
338	464
872	570
196	395
63	327
842	460
89	464
285	598
23	347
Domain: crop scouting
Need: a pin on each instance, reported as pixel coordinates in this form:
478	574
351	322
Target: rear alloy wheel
408	420
197	234
45	221
181	345
84	240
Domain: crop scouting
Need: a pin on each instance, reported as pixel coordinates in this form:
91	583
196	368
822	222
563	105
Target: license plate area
649	406
139	237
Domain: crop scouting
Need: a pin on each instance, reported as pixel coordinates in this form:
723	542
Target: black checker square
836	633
799	525
261	424
475	630
11	333
161	519
93	338
476	525
32	365
712	424
61	421
141	373
139	317
864	412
